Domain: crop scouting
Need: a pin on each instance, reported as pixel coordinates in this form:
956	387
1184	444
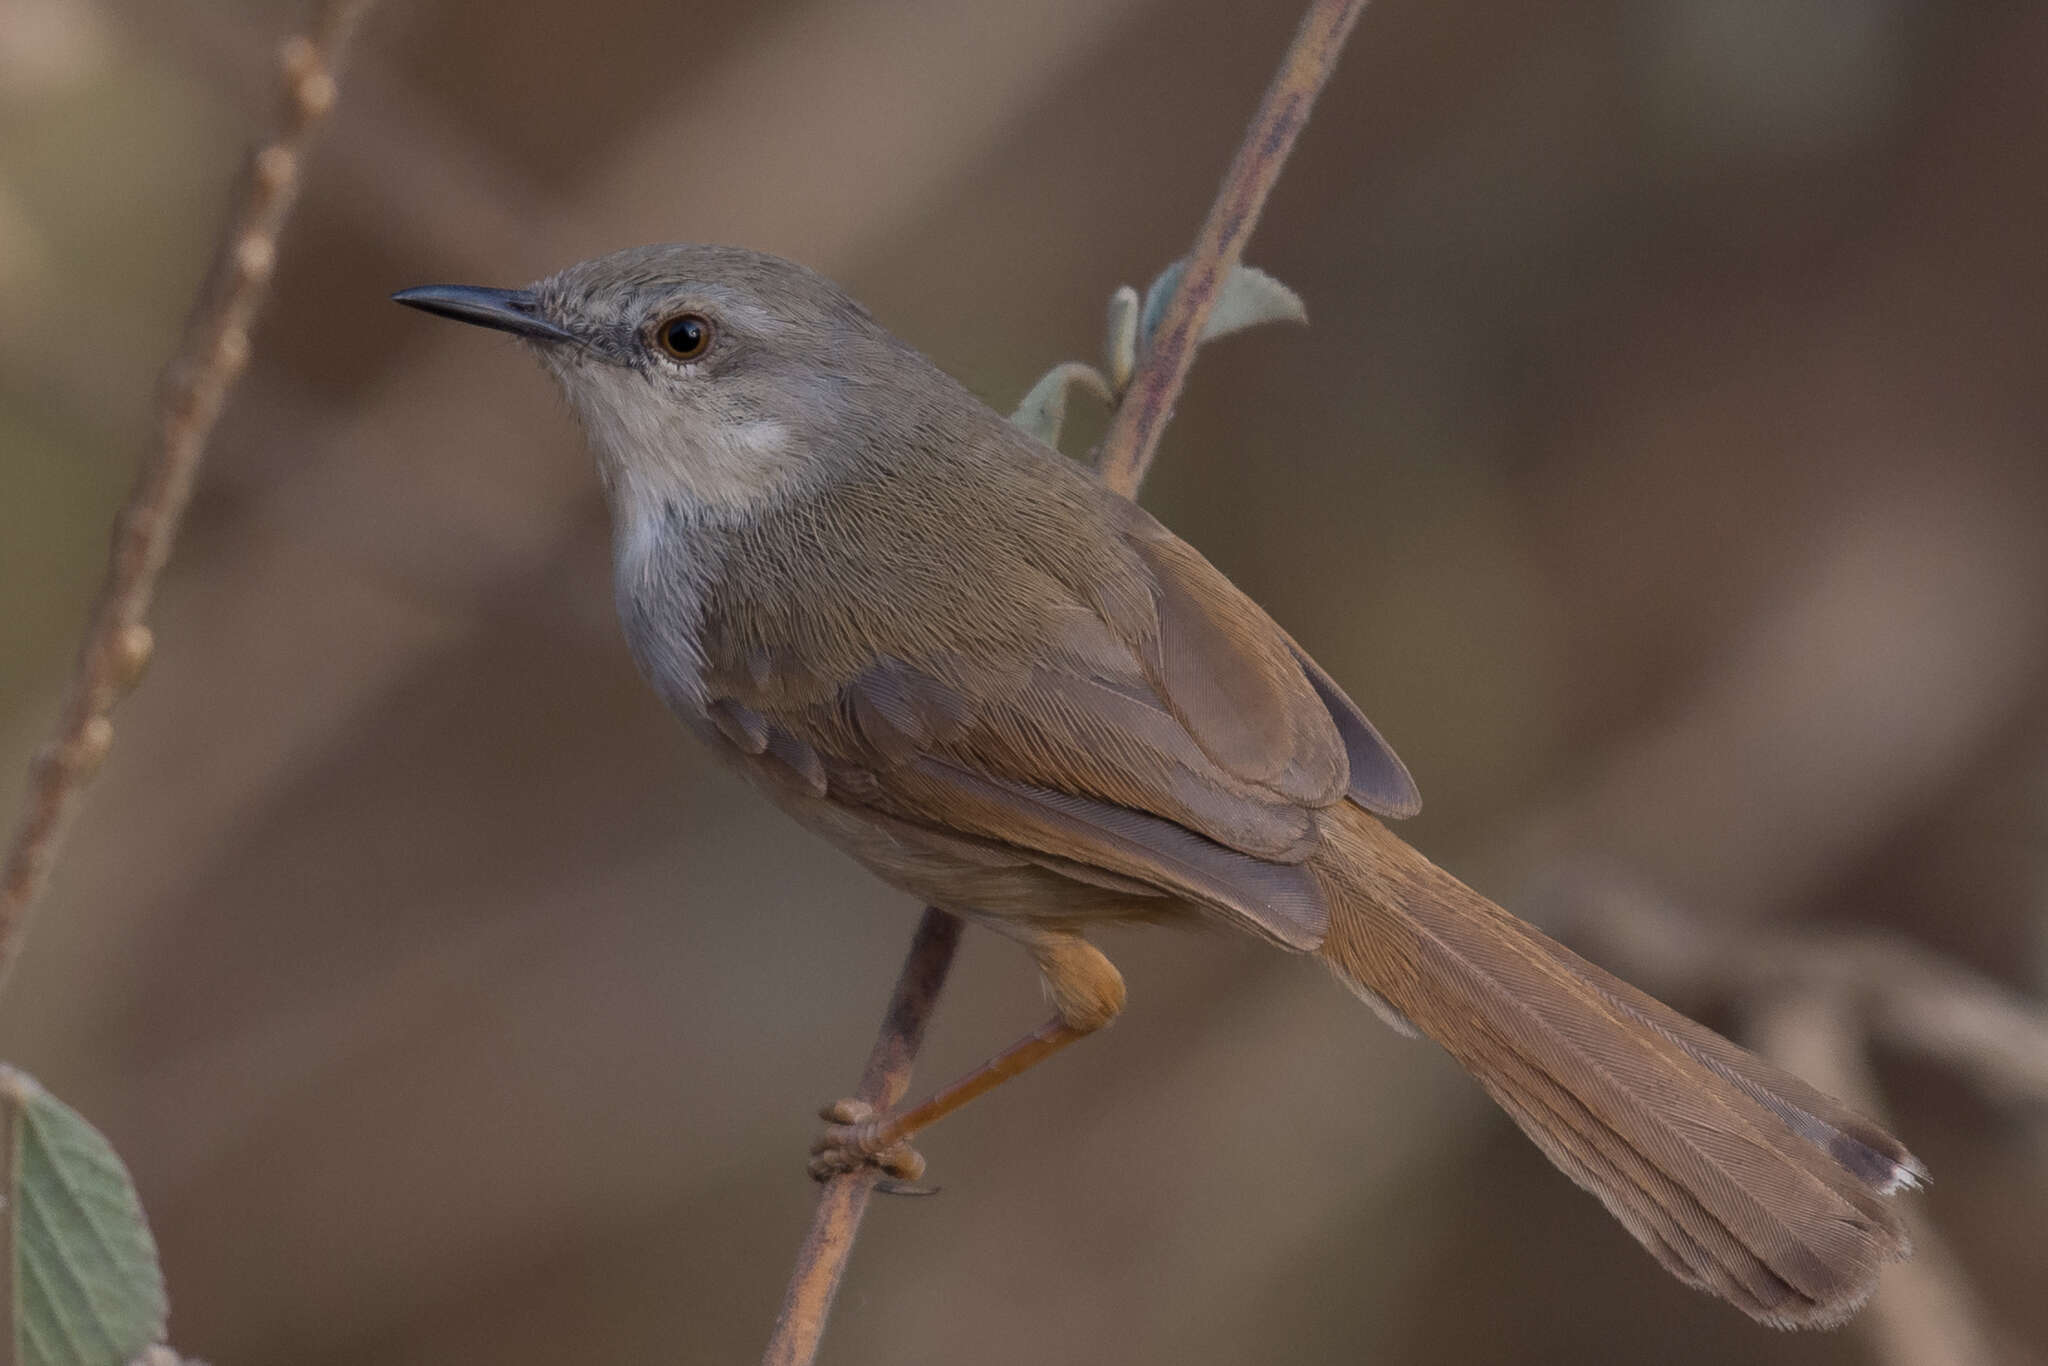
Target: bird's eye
685	336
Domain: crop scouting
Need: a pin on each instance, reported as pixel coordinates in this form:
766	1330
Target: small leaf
87	1287
1044	410
1249	297
1122	350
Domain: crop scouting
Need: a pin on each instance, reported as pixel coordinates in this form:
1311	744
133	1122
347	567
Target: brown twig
196	383
1929	1311
1125	457
1902	994
822	1259
1134	430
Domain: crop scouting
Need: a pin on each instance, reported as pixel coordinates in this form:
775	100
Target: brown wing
1183	744
1377	779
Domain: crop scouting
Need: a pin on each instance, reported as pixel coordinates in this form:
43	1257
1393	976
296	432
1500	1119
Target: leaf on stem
1044	410
1248	298
81	1267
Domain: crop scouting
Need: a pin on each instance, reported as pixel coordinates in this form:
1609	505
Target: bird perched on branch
1011	692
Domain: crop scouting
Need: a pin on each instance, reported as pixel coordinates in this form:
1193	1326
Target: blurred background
1662	469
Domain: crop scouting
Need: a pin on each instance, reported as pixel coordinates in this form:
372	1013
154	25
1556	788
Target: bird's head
706	377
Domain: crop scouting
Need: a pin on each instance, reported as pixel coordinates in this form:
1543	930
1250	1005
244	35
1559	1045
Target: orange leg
1088	991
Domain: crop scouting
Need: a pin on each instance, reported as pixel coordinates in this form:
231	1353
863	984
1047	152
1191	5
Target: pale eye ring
685	337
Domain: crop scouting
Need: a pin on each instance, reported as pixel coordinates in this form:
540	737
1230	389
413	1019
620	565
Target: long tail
1740	1178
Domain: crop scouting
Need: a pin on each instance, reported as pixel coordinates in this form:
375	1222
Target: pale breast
660	602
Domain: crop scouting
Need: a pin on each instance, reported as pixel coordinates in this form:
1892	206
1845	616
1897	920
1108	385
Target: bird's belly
984	881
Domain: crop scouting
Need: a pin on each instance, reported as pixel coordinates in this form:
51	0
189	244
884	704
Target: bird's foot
853	1138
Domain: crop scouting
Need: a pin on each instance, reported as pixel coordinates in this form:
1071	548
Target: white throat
669	470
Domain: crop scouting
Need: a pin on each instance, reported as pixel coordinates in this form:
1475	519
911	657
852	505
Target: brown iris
685	336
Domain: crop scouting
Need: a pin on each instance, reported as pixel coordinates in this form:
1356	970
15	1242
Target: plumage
1015	694
1679	1132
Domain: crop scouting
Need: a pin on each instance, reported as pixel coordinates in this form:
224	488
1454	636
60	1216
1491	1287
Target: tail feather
1881	1161
1738	1177
1655	1209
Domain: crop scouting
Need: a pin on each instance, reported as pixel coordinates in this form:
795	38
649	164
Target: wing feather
1157	728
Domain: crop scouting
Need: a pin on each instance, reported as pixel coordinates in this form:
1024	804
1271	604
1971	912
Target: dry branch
1903	995
1928	1311
196	383
822	1260
1816	1001
1134	431
1126	455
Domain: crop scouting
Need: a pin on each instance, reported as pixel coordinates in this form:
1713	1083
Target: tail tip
1907	1173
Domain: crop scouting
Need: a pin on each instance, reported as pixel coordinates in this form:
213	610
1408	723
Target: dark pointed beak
508	310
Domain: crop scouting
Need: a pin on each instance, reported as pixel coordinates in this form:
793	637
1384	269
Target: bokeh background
1663	469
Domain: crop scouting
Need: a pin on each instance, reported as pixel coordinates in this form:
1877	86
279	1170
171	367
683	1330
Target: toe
848	1111
847	1143
902	1161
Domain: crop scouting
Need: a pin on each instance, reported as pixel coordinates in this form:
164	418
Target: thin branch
1817	1001
1929	1311
1125	457
822	1260
210	358
1904	995
1133	436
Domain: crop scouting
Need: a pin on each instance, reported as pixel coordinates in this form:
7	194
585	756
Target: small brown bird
1011	692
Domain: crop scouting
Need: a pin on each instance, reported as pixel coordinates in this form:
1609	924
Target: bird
1010	691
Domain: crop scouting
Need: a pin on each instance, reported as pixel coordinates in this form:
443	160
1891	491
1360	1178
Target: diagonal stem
1127	452
822	1259
1133	436
196	385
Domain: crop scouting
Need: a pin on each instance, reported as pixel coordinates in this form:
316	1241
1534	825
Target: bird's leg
1086	990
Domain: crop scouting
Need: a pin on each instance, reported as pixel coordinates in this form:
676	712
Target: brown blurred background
1663	469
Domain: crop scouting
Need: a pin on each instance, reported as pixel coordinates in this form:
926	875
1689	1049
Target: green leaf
86	1288
1248	298
1044	410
